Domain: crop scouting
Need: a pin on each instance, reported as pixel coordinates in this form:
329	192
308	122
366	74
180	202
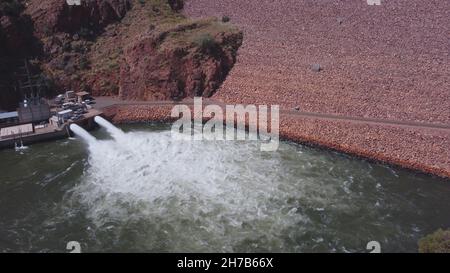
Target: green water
143	192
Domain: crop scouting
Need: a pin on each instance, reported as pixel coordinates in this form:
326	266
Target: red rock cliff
144	50
177	63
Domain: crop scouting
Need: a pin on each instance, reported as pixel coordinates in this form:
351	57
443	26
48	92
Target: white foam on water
194	195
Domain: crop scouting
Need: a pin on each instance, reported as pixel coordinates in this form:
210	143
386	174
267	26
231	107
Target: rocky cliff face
16	42
186	60
155	53
137	49
15	35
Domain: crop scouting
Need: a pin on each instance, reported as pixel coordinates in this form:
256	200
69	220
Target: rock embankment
350	59
340	57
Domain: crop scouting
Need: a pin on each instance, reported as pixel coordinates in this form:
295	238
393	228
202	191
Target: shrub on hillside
438	242
84	63
176	5
225	19
206	43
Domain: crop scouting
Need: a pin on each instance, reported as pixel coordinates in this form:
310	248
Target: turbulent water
143	191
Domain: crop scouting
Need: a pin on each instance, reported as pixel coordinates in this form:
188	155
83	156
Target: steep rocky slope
157	53
390	61
16	41
191	58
